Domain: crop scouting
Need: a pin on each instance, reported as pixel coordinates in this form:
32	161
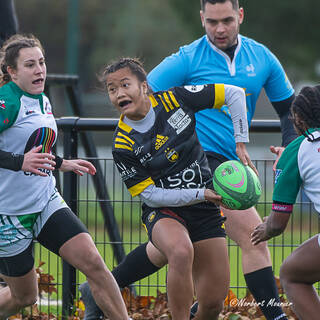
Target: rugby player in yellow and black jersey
159	158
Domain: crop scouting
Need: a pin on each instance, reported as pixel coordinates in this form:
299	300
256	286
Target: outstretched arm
78	166
236	101
158	197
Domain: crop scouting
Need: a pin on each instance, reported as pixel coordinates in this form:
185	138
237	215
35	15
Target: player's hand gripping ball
237	184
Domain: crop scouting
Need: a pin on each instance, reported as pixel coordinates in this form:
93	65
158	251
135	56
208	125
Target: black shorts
60	227
203	220
215	159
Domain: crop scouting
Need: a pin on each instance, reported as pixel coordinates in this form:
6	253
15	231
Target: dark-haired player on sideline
299	166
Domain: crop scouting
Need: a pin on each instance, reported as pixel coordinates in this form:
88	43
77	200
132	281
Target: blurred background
81	36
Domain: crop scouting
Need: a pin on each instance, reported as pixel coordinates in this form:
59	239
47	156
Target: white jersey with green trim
299	166
26	121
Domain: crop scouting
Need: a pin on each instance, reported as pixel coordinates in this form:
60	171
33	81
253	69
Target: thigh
151	216
211	269
171	237
61	226
303	265
240	224
81	252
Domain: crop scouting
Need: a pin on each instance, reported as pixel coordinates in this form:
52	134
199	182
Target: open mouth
38	81
124	103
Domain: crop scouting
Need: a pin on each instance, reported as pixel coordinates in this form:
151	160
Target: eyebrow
121	80
224	19
33	60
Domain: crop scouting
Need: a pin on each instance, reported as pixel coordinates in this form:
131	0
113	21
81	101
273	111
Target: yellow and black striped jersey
169	154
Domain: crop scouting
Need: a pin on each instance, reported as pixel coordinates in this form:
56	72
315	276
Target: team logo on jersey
277	174
151	216
160	141
47	108
138	150
2	105
42	136
250	70
146	157
172	155
179	121
194	88
29	110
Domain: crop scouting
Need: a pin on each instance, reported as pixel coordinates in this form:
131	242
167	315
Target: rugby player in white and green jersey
299	166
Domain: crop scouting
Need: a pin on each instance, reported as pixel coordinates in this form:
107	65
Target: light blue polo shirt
253	67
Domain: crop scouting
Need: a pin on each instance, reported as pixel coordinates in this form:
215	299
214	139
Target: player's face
221	23
128	94
31	71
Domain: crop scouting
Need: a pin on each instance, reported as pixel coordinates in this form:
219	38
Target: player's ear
202	17
241	15
145	87
12	72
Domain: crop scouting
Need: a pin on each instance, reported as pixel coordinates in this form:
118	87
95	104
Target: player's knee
182	255
247	247
26	300
212	308
285	274
93	265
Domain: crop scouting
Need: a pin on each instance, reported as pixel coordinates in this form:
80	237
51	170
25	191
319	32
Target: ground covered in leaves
154	308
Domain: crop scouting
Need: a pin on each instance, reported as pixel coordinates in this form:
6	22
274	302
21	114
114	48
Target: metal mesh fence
303	224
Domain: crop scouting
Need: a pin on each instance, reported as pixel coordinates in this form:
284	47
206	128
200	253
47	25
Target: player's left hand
259	234
244	157
277	151
78	166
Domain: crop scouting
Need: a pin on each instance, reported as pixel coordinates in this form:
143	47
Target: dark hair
235	3
306	106
134	64
9	53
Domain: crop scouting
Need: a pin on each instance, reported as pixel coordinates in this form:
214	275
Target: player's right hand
34	160
244	157
212	196
277	151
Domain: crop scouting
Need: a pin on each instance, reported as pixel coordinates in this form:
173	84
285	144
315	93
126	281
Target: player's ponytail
306	111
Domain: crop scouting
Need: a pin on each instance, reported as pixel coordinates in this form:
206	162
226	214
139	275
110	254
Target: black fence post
70	146
98	179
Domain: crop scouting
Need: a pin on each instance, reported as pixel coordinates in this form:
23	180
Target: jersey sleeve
171	72
287	177
8	114
277	86
132	173
199	97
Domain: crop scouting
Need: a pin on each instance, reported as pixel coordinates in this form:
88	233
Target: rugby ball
237	184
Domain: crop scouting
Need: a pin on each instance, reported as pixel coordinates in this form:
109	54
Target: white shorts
18	231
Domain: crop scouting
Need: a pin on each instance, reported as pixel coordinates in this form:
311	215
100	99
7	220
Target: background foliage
153	29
